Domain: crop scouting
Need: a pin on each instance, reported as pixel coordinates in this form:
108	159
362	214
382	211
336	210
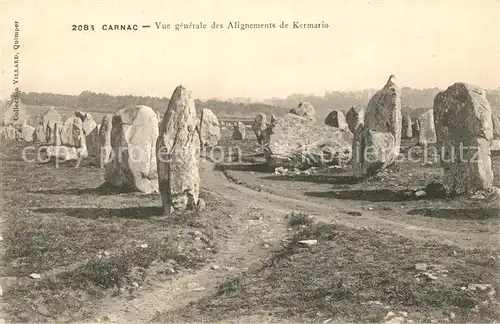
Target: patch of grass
357	275
84	242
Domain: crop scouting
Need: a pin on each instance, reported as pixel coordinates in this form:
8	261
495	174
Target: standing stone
105	148
416	128
407	128
40	134
427	134
306	110
495	146
358	151
91	133
259	126
239	131
177	150
496	125
72	132
382	130
273	119
355	117
464	126
209	129
10	132
27	132
56	134
336	119
133	161
51	116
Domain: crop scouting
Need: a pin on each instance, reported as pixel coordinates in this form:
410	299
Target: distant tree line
103	102
414	102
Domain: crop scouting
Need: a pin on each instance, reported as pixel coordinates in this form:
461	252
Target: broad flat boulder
464	128
132	166
298	142
209	129
50	116
259	126
427	133
336	119
178	149
39	135
355	117
72	132
381	136
407	131
27	132
306	110
239	131
105	148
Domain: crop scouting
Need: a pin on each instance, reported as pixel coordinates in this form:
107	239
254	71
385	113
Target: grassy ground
356	275
85	242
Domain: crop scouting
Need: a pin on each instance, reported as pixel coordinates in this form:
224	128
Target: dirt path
251	241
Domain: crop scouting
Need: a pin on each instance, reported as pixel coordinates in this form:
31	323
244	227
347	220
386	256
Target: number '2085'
82	27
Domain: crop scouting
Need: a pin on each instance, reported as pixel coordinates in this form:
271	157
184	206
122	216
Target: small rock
215	267
143	246
309	242
430	276
201	204
478	197
1	238
197	239
107	253
474	287
199	289
421	266
111	318
197	233
135	284
463	288
420	193
389	315
1	291
35	275
452	315
266	246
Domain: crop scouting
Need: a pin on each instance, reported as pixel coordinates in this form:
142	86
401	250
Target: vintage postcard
244	161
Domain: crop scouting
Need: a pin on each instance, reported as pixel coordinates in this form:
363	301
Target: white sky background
425	44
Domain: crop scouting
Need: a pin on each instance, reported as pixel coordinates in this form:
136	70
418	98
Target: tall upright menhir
177	151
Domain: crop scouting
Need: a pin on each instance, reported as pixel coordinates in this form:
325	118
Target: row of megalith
461	126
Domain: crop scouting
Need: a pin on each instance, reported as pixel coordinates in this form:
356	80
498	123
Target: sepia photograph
245	161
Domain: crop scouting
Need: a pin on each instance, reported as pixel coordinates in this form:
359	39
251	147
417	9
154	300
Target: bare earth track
247	225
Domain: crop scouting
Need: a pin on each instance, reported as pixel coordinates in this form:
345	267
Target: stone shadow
377	195
95	213
459	213
248	167
315	178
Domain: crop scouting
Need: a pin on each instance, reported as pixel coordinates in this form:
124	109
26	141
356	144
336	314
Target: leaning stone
133	162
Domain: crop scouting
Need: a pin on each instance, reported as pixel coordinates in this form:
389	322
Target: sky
425	44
